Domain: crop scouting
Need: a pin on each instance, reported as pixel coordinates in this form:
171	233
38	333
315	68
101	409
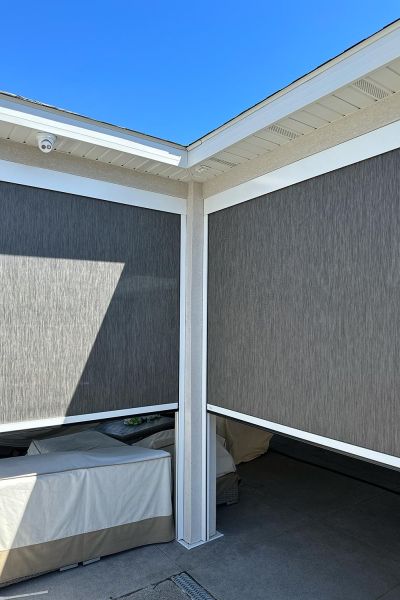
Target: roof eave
368	55
66	125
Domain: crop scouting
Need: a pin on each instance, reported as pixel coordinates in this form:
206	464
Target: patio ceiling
362	76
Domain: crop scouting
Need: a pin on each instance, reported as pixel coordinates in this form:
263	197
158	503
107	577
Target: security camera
46	141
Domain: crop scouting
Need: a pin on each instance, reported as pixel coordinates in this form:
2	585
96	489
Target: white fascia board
342	73
67	127
68	183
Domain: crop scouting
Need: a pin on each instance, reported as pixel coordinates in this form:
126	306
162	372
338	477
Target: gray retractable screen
304	305
89	305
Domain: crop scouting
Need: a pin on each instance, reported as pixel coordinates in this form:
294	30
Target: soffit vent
283	131
371	89
220	161
202	169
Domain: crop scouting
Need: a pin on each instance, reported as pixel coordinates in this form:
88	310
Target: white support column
211	477
192	467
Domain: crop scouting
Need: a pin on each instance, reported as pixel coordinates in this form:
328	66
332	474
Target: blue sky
169	68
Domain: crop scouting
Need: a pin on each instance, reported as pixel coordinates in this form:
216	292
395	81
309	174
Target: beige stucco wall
29	155
380	114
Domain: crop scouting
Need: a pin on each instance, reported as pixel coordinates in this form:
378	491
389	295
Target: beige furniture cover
67	507
23	438
166	441
244	442
83	440
227	485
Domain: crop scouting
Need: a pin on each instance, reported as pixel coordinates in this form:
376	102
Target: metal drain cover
193	589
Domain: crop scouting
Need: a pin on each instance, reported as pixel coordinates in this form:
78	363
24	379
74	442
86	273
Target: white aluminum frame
60	181
347	153
101	190
55	421
355	150
180	414
208	446
195	445
319	440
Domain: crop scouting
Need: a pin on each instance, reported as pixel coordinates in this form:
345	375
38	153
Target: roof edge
85	119
302	79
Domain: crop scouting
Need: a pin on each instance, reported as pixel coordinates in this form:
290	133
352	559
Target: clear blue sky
173	69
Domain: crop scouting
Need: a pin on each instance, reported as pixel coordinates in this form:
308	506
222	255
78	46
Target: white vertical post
211	451
192	499
179	416
211	477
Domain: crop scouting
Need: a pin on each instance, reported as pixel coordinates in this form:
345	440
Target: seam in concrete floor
396	587
145	587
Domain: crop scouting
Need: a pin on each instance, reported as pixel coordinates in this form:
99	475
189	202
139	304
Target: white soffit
351	99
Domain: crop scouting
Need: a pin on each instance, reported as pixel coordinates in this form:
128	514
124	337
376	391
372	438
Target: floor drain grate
193	589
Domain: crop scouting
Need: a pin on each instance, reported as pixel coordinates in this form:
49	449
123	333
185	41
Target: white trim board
91	188
54	421
355	150
343	447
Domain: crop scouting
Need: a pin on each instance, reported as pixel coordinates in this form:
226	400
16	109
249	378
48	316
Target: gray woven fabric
304	305
89	305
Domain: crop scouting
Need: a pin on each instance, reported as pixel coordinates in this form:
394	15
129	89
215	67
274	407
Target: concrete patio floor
299	532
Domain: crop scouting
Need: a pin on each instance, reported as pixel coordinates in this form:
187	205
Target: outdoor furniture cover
244	442
22	438
62	508
83	440
227	485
